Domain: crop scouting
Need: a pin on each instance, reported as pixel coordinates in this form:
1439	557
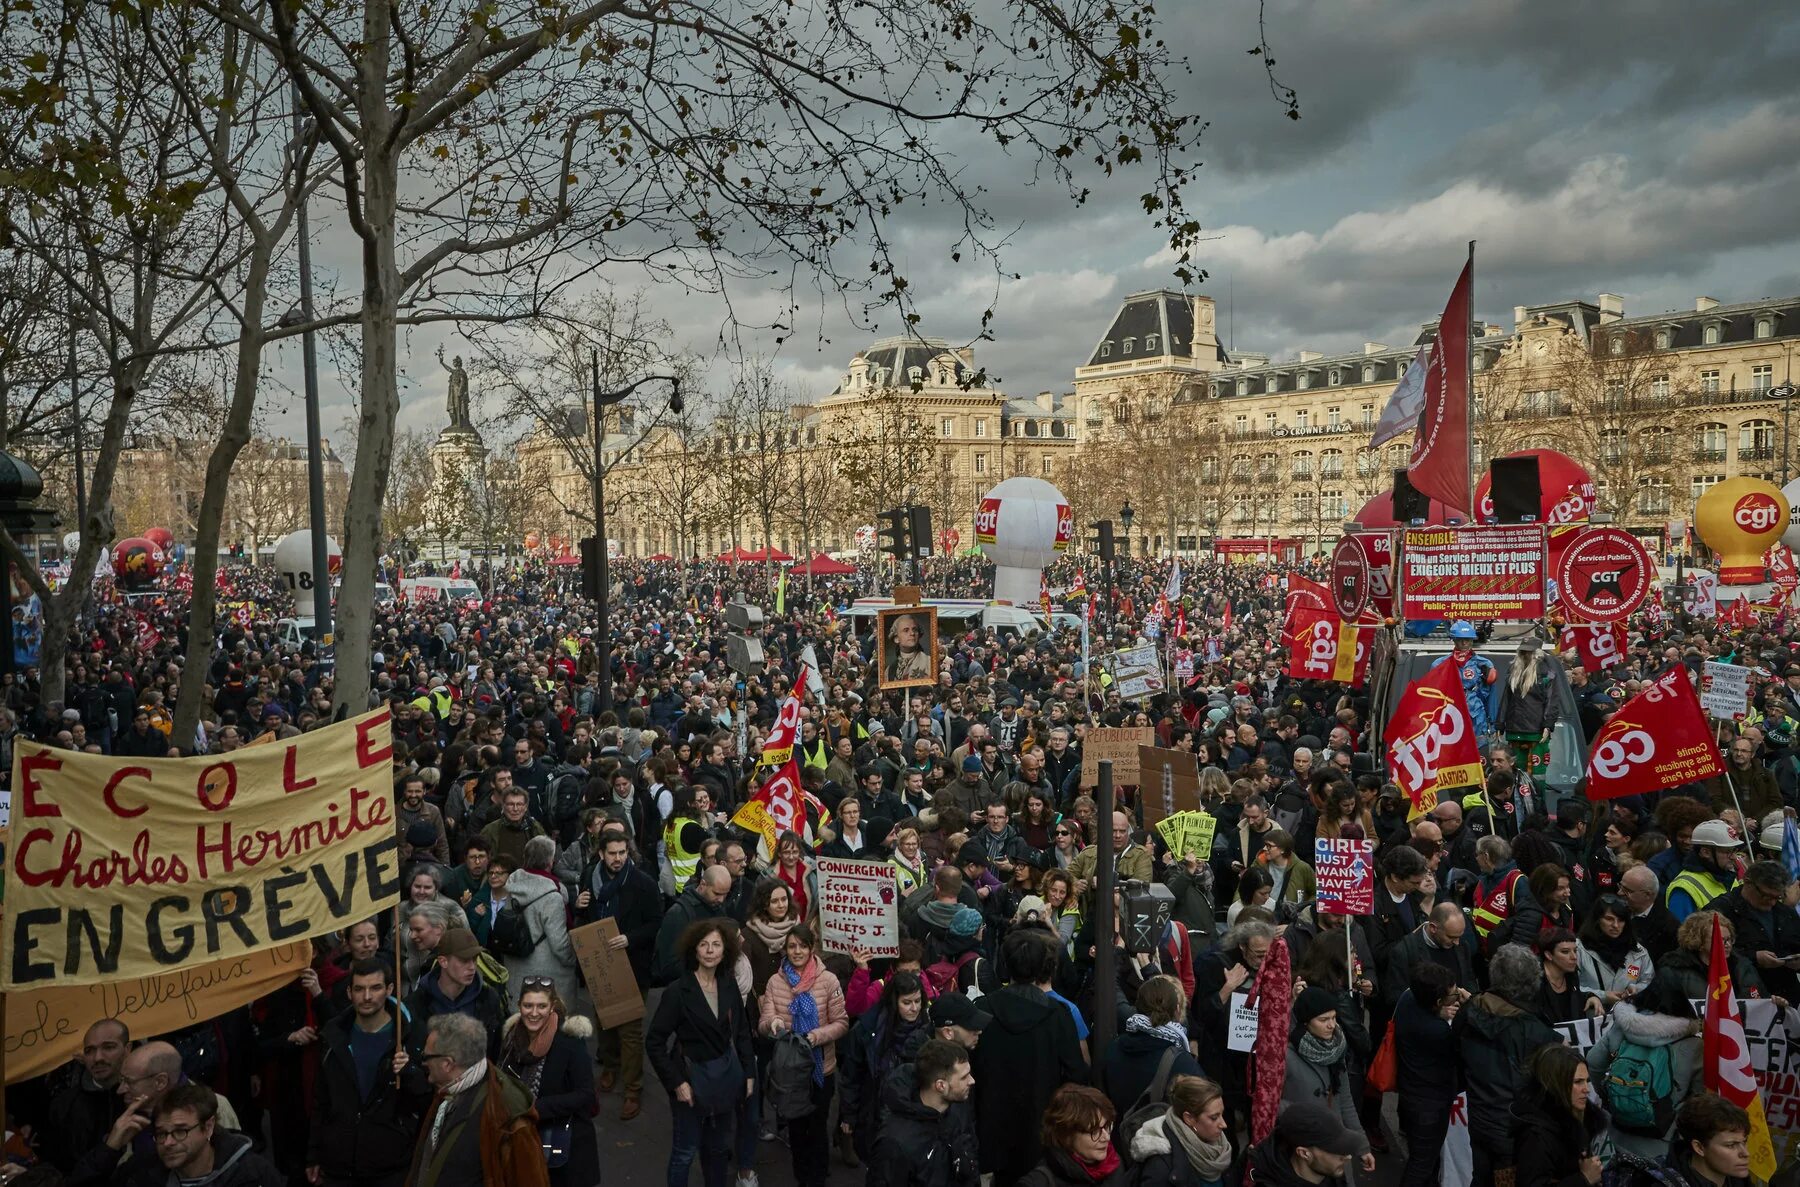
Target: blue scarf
805	1013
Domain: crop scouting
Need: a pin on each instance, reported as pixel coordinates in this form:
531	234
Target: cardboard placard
1119	743
1725	692
858	906
1169	781
610	981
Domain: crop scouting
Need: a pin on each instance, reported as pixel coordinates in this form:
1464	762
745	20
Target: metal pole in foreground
1106	957
603	694
315	460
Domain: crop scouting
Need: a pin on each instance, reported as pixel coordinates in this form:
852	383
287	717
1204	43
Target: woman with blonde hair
544	1047
1528	712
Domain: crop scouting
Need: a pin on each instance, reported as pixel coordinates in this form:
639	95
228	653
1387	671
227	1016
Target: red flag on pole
1657	739
1431	745
1600	644
1439	465
1726	1057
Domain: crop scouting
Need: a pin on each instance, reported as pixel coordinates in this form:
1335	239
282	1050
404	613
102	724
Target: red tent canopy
565	560
768	554
661	556
736	555
820	565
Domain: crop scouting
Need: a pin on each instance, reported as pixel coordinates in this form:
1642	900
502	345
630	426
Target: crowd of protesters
553	771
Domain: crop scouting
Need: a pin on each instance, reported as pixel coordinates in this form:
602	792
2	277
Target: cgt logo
987	519
1321	648
1065	526
1417	756
1615	757
1605	581
1756	512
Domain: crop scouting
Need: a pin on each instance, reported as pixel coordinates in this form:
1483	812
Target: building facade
911	420
161	481
1214	448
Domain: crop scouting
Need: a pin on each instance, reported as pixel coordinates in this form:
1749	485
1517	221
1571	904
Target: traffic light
590	569
918	520
893	533
743	646
1105	528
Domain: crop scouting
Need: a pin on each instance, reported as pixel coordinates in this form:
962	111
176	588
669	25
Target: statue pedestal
452	515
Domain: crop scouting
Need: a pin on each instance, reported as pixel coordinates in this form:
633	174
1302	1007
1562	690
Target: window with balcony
1333	506
1209	469
1659	388
1710	447
1240	512
1612	444
1653	497
1762	378
1615	397
1331	463
1657	444
947	427
1709	382
1366	463
1756	440
1267	466
1302	465
1240	467
1303	503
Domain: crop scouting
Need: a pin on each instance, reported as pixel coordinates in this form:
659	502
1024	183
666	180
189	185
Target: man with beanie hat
960	802
1308	1148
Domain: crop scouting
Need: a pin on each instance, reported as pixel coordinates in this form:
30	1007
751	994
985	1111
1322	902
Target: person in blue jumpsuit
1480	679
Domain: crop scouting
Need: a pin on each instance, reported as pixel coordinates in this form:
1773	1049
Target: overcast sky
1649	148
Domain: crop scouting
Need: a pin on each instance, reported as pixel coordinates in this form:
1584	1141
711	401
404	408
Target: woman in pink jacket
805	998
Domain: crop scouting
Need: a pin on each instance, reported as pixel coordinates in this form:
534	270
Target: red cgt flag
1658	739
1321	646
1726	1057
1431	744
1439	465
1600	644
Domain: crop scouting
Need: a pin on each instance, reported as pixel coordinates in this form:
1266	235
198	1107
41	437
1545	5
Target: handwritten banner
1119	743
1346	875
122	868
44	1027
858	906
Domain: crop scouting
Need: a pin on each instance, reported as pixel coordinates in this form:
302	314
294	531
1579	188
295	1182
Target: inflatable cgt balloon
136	562
1565	488
163	538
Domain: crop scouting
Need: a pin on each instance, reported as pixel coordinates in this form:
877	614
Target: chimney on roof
1612	307
1702	304
1374	347
1518	318
1307	356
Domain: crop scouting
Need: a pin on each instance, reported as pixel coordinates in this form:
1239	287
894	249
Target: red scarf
796	887
1096	1171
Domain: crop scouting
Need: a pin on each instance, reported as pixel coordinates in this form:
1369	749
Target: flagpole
1469	387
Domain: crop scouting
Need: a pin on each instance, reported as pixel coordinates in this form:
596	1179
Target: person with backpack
1187	1144
1644	1066
1318	1062
927	1134
1141	1063
882	1039
1557	1130
531	933
804	999
699	1045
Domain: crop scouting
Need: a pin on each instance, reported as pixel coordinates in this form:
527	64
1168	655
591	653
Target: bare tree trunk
203	607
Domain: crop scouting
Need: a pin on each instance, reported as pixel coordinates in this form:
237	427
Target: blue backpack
1639	1082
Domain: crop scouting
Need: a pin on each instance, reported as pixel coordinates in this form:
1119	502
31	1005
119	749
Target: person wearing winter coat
480	1127
883	1039
1190	1146
701	1023
1076	1138
1309	1147
363	1122
805	997
1610	962
206	1151
1157	1028
1426	1080
1556	1128
1318	1063
455	986
613	887
926	1135
1711	1148
538	896
1026	1052
1496	1033
1679	1034
544	1048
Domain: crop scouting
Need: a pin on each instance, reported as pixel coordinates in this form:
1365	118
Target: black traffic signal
918	521
1105	528
590	569
893	533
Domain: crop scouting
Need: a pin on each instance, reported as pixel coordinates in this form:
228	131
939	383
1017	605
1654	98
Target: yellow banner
44	1027
123	868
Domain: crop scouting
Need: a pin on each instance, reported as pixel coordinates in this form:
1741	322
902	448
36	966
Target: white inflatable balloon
1791	537
294	561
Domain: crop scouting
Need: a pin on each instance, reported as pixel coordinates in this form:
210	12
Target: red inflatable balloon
163	538
1566	488
136	562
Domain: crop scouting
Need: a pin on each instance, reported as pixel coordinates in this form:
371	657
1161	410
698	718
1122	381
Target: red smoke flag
1439	465
1657	739
1431	746
1726	1057
1303	593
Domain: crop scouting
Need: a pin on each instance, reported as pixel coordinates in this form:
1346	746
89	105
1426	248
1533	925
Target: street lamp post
1126	515
604	400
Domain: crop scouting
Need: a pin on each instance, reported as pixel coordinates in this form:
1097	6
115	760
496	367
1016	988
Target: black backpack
790	1087
510	934
1153	1104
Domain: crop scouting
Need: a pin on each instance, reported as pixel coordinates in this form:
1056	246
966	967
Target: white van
956	615
455	590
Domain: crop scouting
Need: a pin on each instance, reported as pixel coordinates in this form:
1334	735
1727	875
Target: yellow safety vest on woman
682	862
1702	888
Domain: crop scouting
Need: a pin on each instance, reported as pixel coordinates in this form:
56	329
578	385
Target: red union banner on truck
1492	573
